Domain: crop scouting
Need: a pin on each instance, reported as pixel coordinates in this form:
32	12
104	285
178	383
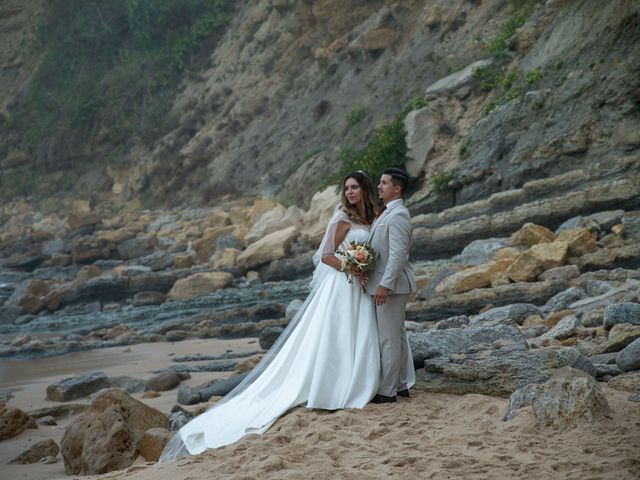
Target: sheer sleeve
327	246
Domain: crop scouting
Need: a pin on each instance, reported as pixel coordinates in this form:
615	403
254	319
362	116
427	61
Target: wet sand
27	380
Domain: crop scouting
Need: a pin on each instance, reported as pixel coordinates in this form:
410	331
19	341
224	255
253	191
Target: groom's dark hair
398	177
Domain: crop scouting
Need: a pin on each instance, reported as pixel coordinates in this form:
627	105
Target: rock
317	217
53	247
580	241
164	381
531	234
220	388
81	215
459	321
537	259
47	420
563	300
77	387
626	382
39	450
567	398
627	312
5	395
248	364
606	370
153	442
137	247
206	246
472	278
270	221
601	302
150	394
480	251
565	328
453	341
224	258
629	358
59	411
176	335
188	396
620	335
422	127
631	223
516	312
29	295
497	371
13	421
131	385
469	302
456	81
199	284
300	266
272	247
379	39
566	272
108	436
148	298
268	336
606	220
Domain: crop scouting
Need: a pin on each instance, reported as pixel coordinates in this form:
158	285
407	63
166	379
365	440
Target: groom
391	282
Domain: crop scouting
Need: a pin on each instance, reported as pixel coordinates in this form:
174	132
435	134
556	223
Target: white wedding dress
328	358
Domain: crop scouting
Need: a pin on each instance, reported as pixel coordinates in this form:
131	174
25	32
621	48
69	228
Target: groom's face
387	191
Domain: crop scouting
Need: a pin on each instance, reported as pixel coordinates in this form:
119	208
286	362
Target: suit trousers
393	345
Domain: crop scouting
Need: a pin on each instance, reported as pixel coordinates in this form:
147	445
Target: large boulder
109	435
199	284
457	80
567	398
471	278
531	234
422	127
13	421
272	247
315	220
497	370
517	312
452	341
536	260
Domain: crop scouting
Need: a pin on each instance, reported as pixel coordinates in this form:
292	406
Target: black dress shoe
383	399
404	393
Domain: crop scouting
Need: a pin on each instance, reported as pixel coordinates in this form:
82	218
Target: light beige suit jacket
390	237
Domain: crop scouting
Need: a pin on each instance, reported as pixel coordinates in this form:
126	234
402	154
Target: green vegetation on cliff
107	73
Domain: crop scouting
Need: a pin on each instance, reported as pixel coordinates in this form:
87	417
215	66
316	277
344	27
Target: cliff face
293	83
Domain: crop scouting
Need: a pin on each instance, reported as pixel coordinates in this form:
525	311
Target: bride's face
352	191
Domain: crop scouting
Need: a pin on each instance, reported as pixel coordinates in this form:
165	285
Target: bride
327	357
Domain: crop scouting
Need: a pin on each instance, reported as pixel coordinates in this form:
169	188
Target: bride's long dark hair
368	199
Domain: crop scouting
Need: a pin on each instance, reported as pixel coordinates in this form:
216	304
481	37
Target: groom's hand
381	296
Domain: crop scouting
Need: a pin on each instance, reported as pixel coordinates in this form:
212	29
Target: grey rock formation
77	387
517	312
628	312
569	397
629	358
497	371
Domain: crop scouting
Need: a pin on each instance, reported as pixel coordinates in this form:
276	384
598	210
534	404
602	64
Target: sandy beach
427	436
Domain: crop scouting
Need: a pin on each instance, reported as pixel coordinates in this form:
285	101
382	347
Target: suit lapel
377	221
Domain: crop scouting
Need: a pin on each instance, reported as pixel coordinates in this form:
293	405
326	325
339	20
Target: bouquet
358	257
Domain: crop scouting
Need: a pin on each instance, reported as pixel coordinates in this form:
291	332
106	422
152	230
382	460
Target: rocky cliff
292	84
